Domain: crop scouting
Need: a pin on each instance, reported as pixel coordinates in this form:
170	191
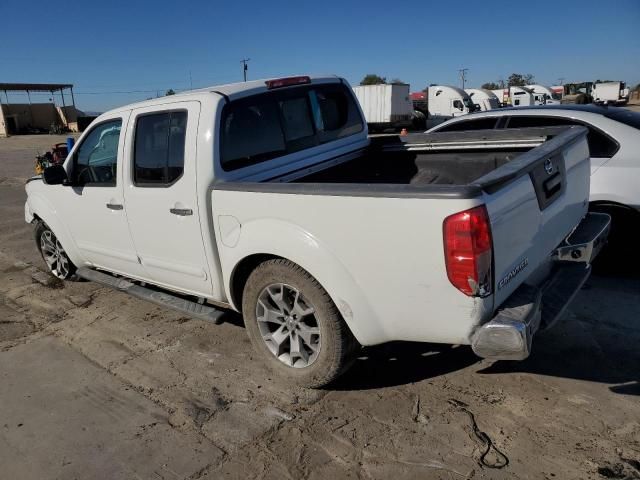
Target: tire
618	256
53	254
308	319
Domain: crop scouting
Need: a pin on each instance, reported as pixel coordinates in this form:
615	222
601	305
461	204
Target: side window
600	145
458	104
159	148
476	124
516	101
96	159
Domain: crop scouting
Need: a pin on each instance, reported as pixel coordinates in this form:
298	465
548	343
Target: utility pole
561	80
245	67
463	75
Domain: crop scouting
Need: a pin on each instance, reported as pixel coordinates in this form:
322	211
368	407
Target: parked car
614	143
268	198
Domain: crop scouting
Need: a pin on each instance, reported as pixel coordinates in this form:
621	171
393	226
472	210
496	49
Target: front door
93	206
161	197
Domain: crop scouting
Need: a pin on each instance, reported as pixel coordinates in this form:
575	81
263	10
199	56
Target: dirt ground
97	384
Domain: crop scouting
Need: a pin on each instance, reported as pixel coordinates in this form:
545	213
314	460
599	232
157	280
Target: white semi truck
445	102
544	95
483	99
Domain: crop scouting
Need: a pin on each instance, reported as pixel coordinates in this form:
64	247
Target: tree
373	79
490	86
397	81
520	80
169	92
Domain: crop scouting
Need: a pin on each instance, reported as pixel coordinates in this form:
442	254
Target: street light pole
245	67
463	75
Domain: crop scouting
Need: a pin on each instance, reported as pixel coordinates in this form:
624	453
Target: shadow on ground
597	341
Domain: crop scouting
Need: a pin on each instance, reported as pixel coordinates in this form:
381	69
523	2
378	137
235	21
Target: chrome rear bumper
509	334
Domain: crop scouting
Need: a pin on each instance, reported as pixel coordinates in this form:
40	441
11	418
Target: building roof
34	87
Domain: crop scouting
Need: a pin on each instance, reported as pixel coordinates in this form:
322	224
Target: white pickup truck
268	198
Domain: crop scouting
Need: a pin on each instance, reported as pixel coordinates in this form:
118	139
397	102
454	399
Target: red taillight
287	82
468	251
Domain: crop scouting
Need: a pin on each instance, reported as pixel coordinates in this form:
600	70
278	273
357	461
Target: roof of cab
231	90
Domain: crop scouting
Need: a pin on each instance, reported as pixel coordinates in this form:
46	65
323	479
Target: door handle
114	206
183	212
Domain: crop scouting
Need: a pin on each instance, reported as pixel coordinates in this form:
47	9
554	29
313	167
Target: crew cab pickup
269	198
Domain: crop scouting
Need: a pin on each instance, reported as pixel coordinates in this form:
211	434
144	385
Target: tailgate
534	202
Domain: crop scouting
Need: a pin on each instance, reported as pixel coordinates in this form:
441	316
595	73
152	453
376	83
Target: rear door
161	196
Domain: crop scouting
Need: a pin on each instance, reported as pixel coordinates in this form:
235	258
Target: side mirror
55	175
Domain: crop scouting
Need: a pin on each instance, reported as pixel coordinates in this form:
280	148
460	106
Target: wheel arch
267	239
42	211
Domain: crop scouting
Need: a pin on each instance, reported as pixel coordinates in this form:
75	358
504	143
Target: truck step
164	299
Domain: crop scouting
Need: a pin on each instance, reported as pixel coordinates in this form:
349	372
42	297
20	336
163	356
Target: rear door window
486	123
159	148
600	145
276	123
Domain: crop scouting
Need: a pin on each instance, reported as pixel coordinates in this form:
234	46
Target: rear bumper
509	334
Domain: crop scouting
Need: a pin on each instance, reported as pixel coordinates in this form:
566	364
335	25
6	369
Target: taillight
468	251
287	82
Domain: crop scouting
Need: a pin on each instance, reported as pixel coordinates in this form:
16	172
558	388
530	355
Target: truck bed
453	158
368	223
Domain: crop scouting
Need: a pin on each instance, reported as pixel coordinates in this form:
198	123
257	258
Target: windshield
556	96
625	116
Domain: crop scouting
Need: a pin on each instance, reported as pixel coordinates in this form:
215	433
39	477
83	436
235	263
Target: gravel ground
96	384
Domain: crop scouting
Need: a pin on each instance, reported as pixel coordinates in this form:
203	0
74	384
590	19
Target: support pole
64	110
30	108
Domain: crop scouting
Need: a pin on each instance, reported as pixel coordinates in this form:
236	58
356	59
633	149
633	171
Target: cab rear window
269	125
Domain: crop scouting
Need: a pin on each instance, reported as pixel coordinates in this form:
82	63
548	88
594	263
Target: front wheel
53	254
295	326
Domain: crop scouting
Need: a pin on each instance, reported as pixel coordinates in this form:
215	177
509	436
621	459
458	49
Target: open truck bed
378	214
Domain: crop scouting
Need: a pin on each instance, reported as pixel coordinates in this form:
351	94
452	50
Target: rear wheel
53	253
619	255
295	326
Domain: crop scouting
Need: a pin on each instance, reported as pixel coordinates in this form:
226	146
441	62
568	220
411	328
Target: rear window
277	123
600	145
486	123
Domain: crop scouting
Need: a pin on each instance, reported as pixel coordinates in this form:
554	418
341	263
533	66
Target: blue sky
116	46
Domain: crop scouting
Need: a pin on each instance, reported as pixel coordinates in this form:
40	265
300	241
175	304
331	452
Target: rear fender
282	239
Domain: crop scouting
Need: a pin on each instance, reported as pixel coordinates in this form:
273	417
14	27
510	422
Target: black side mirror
55	175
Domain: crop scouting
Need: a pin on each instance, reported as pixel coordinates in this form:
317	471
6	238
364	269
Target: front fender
39	206
286	240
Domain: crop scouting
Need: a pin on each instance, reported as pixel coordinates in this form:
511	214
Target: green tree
520	80
397	81
490	86
169	92
373	79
